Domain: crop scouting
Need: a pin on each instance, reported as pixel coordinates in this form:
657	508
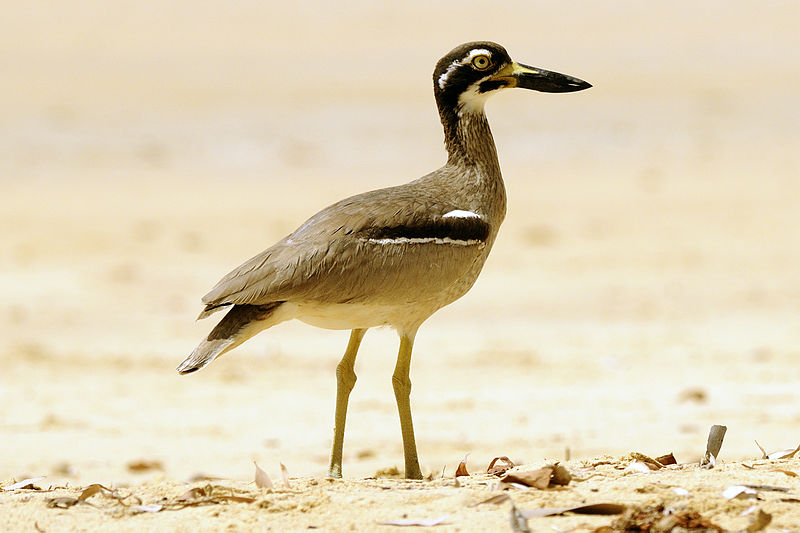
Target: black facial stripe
455	228
491	85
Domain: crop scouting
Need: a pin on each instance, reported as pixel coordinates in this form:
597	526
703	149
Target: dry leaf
207	495
739	492
96	488
656	518
193	494
760	521
89	491
651	463
62	502
285	475
93	489
763	451
193	497
461	470
593	508
560	475
497	469
668	459
780	454
768	487
27	484
262	479
783	454
539	478
787	472
421	523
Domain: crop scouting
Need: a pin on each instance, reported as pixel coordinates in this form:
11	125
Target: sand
643	287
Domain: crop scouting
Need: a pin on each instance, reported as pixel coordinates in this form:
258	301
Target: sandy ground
644	285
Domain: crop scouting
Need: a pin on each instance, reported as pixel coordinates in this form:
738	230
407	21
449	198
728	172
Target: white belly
358	316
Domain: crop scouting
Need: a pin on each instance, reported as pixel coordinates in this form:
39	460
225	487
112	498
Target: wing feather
337	254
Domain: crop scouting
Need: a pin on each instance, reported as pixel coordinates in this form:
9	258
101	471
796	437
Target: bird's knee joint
345	376
401	384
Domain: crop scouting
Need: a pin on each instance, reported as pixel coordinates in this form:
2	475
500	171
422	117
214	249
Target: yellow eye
481	62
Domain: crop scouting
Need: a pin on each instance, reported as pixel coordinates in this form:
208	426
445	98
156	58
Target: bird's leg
401	382
345	380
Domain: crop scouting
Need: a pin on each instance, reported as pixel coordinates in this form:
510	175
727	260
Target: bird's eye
481	62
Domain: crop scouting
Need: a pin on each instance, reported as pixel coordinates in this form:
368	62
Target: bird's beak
525	77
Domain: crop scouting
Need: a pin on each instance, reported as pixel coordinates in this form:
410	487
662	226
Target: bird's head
470	73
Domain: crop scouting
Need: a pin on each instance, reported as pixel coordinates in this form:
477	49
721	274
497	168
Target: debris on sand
120	500
638	467
25	484
715	436
760	521
779	454
659	518
262	480
739	492
541	478
592	508
500	465
121	504
285	476
666	460
461	470
649	462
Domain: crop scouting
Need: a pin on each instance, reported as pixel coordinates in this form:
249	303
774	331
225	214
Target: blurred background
644	285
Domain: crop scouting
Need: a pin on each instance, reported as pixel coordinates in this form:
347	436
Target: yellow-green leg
345	380
401	382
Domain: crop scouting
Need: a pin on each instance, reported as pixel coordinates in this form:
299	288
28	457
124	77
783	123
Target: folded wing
387	246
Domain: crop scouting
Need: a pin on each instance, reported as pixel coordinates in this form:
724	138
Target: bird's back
424	241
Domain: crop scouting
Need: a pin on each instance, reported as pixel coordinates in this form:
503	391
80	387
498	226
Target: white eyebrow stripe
459	213
458	62
476	52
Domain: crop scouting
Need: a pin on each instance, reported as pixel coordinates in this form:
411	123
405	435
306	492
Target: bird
392	256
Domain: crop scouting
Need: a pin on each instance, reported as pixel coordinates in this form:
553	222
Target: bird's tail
238	325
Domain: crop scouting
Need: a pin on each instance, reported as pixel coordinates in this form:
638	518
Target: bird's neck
473	158
469	140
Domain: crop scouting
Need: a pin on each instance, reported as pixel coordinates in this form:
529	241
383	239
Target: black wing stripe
454	228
